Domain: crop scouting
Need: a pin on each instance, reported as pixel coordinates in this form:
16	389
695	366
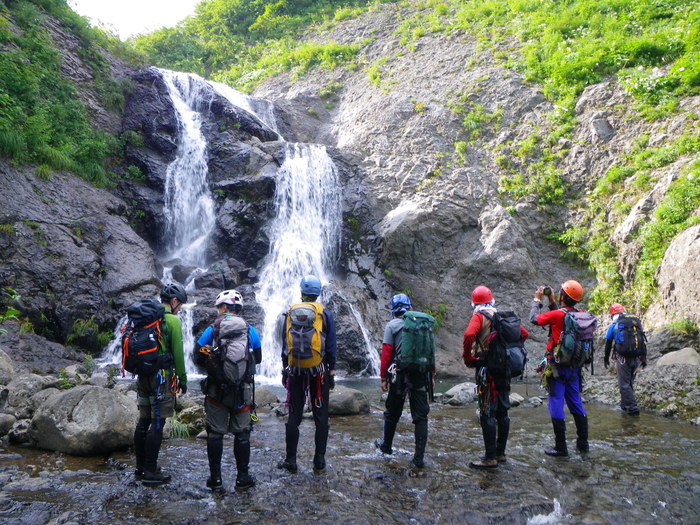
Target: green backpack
417	350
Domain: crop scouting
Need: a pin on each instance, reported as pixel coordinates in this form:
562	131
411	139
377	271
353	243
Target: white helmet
229	297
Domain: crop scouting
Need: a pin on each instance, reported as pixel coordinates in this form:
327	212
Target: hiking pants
414	385
298	384
565	388
626	370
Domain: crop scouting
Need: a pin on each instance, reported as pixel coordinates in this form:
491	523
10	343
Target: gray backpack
232	346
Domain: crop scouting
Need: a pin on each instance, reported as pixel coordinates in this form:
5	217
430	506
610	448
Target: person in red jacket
563	382
494	389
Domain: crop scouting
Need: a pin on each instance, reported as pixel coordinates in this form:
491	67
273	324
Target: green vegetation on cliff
42	119
243	42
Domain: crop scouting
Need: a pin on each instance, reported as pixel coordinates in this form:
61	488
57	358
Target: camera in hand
547	290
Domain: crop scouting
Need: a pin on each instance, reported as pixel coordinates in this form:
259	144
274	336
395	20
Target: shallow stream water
640	470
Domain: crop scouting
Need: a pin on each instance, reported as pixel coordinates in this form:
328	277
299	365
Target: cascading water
188	204
304	237
262	109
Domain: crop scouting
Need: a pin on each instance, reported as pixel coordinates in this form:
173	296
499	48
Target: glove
285	375
183	389
331	381
644	364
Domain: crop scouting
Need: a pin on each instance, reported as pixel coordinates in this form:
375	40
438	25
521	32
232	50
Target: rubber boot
502	440
241	451
292	440
421	437
488	430
215	449
151	476
559	448
581	432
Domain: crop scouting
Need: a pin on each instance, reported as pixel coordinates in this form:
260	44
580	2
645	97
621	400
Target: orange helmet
481	295
616	308
573	289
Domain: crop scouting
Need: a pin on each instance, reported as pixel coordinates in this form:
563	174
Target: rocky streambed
642	470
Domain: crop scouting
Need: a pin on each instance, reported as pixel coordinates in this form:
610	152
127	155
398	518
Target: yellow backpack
306	343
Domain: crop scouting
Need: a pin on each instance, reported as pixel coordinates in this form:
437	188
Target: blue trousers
565	388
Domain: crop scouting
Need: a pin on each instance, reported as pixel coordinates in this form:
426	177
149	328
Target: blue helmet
310	285
400	303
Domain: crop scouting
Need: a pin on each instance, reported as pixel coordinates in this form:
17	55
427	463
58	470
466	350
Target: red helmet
573	289
616	308
481	295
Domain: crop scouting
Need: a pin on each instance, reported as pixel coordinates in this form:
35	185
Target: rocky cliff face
436	225
419	215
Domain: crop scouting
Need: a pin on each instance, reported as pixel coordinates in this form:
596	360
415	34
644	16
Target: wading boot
215	484
488	429
289	464
379	443
154	478
319	462
581	432
559	449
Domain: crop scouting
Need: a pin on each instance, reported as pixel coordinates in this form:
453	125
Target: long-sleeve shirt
478	329
554	318
171	342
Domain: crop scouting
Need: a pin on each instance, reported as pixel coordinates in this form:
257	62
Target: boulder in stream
83	421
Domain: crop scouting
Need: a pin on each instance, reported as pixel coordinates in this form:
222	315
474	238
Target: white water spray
189	206
304	237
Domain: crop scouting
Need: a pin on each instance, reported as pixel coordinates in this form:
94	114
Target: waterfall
189	206
261	108
304	237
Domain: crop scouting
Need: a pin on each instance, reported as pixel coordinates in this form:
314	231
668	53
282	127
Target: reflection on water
642	470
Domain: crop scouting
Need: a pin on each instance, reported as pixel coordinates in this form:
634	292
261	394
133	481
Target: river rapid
640	470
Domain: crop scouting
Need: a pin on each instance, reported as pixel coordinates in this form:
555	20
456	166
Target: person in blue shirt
228	407
313	375
627	365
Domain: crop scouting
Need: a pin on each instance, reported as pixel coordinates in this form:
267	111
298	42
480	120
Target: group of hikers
493	345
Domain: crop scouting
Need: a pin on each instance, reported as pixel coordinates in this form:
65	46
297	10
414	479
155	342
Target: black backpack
141	336
630	340
506	354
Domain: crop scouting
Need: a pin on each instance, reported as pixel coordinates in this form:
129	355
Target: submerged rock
347	401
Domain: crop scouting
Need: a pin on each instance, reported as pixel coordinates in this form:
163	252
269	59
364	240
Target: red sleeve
523	333
470	335
387	358
555	319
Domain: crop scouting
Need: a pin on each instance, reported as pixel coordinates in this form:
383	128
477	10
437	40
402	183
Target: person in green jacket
156	393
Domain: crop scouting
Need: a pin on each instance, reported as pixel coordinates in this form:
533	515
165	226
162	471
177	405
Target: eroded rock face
68	252
678	279
83	421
